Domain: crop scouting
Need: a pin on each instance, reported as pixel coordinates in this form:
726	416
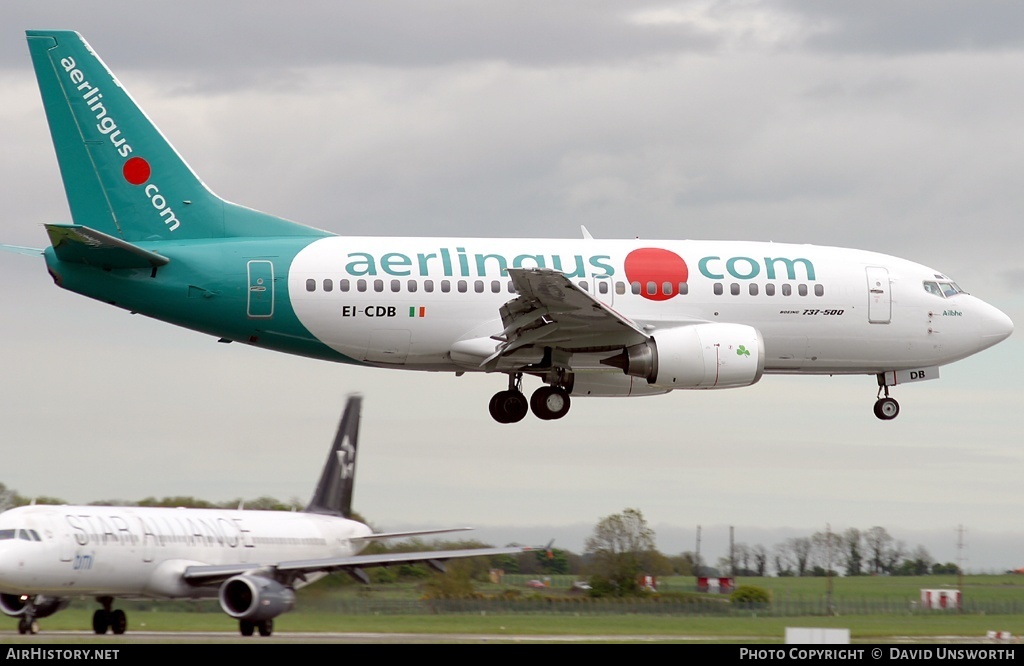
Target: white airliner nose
995	325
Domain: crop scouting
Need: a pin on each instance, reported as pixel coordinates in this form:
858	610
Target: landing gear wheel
245	627
118	621
508	406
28	626
266	627
887	408
100	621
549	403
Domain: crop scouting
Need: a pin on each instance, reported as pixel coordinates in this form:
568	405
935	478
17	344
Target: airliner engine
255	599
698	356
14	604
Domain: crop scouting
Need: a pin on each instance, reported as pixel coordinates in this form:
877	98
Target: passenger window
446	286
328	284
428	286
413	286
634	287
602	287
666	288
802	289
718	289
684	288
396	285
620	288
752	289
787	290
584	286
511	287
819	290
343	285
769	289
734	289
495	286
462	286
478	286
310	284
361	285
652	288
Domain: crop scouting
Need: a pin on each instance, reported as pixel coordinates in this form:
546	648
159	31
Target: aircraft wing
551	311
214	574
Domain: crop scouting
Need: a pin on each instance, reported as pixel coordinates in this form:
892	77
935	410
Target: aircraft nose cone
995	326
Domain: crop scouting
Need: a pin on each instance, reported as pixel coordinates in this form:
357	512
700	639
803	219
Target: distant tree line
856	552
620	550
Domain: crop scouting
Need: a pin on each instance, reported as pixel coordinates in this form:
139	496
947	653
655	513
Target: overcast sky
894	127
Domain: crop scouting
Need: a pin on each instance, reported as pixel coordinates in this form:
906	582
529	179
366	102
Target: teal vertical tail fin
121	176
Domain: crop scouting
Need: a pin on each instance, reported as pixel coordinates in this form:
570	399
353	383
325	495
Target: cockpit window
943	289
23	535
7	534
35	535
950	288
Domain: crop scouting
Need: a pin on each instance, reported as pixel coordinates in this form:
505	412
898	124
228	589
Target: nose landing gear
885	408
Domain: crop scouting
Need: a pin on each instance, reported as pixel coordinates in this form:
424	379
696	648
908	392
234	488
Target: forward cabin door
879	298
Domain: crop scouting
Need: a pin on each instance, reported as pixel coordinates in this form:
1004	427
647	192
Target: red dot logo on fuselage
660	268
136	171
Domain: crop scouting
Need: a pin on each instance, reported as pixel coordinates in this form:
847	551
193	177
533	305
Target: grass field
316	613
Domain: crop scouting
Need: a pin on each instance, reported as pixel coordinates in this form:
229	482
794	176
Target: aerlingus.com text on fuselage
585	317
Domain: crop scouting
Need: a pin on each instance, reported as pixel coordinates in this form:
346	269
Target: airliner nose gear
885	408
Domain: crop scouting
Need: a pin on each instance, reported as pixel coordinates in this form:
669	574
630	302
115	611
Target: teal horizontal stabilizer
81	245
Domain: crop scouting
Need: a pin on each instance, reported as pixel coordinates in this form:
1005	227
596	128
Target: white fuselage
407	302
142	552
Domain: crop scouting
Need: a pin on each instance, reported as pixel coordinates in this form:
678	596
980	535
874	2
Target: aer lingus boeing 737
587	317
252	561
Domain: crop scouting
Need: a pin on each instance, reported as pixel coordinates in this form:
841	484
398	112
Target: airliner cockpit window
950	288
933	288
7	534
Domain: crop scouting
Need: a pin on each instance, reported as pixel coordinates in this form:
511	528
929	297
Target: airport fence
583	605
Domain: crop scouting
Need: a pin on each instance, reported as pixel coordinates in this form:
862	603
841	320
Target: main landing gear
885	408
248	627
104	618
27	625
510	406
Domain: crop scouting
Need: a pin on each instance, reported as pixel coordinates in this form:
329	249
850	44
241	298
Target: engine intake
14	604
699	356
255	598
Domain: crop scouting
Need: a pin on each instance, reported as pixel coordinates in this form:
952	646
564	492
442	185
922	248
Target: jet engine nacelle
609	385
699	356
255	598
14	604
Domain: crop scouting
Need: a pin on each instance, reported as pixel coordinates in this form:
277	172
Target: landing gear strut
885	408
509	406
28	625
104	618
550	402
248	627
546	403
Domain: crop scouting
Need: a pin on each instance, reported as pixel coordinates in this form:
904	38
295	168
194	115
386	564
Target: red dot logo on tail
136	171
653	264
